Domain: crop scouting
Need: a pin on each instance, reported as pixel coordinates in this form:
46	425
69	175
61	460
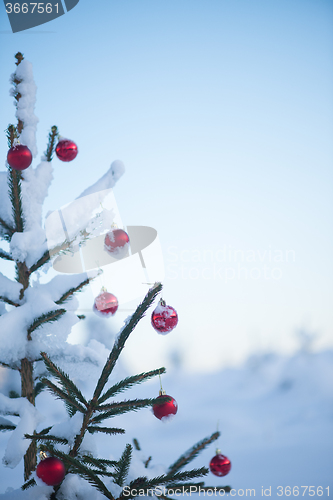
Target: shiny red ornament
220	465
116	242
106	304
19	157
66	150
165	410
51	471
164	318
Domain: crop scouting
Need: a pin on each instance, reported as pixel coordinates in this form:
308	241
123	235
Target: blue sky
222	113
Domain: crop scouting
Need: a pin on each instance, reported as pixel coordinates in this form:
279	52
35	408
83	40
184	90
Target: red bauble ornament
66	150
19	157
220	465
165	410
106	304
164	318
116	243
51	471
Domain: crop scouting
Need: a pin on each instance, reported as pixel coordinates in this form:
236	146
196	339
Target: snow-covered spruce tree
35	321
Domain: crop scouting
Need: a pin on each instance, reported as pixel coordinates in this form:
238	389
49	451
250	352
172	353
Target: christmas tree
36	319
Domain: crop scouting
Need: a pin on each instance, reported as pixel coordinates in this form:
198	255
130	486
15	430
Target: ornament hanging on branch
106	304
51	471
164	411
66	150
116	243
164	318
220	465
19	157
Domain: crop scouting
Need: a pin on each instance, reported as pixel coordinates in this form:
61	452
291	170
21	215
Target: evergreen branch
77	467
45	318
45	431
147	462
178	476
185	486
71	291
40	262
64	379
114	409
145	484
11	134
123	465
106	430
48	437
99	462
7	427
3	254
189	455
14	184
71	404
53	135
123	336
28	484
129	382
8	301
38	388
136	444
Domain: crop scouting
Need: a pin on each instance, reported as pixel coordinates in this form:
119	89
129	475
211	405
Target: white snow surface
275	415
26	104
10	289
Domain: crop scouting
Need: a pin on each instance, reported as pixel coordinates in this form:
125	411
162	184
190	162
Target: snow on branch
25	95
30	418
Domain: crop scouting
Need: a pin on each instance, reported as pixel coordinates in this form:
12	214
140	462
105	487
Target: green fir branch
185	486
99	462
11	134
71	291
114	409
7	427
66	383
192	453
3	254
40	262
48	437
49	317
75	466
8	301
123	465
53	135
128	383
38	388
123	336
15	196
28	484
106	430
136	444
71	404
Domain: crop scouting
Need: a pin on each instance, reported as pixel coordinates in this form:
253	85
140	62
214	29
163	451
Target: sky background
222	112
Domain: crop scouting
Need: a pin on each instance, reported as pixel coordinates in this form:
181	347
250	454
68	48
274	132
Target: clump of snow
30	418
26	104
10	289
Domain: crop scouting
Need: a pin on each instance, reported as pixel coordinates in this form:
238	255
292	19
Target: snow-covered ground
275	414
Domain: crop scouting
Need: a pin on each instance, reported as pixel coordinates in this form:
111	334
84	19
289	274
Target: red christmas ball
19	157
220	465
164	318
106	304
66	150
51	470
165	410
116	242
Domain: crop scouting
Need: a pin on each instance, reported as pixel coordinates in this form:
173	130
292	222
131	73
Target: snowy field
275	414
